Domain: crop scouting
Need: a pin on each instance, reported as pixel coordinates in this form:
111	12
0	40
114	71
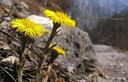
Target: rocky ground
113	64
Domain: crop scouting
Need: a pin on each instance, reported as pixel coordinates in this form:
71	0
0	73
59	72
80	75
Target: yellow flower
59	17
58	49
27	27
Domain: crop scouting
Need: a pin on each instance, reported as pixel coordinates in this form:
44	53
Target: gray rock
22	9
78	47
16	7
7	3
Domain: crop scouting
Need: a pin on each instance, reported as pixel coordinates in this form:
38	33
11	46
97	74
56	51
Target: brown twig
47	73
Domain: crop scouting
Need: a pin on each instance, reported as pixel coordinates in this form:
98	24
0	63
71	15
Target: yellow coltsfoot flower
27	27
60	18
57	49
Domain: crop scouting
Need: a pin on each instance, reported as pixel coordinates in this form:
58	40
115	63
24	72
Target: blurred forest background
106	21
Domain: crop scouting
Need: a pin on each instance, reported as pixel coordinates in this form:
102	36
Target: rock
16	7
22	10
10	59
4	45
78	47
22	4
7	18
79	55
46	22
7	3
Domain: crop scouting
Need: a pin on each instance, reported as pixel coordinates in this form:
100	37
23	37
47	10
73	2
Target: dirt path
113	63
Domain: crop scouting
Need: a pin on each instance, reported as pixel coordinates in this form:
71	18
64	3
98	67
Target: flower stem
22	60
39	74
52	35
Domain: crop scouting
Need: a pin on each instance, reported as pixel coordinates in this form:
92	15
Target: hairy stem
52	35
21	61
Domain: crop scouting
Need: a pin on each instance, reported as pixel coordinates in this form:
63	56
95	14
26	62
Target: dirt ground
113	64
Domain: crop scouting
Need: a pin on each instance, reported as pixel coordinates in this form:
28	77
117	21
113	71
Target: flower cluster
30	29
27	27
60	18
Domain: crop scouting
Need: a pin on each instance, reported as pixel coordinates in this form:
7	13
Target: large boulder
78	47
79	54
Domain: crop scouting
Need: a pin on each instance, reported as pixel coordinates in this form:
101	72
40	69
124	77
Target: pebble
123	79
7	18
81	81
121	64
